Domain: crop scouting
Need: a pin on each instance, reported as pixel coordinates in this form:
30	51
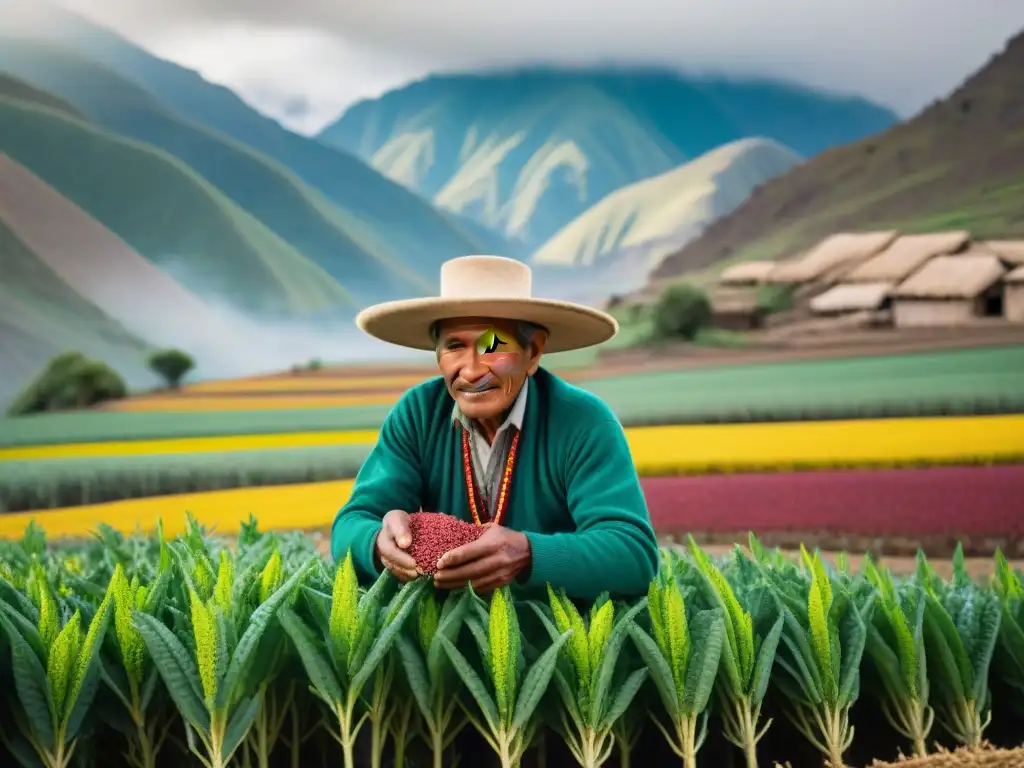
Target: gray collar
515	416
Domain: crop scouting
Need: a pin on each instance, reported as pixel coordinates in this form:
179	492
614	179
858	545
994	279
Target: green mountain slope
391	215
168	213
17	89
525	151
958	164
289	207
42	316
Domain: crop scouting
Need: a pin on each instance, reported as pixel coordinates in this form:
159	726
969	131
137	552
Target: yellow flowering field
656	451
673	449
865	442
300	506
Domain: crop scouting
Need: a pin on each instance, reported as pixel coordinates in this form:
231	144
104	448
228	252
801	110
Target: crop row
189	651
57	483
46	480
101	426
960	382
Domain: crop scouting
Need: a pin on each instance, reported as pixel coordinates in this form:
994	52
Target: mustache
489	381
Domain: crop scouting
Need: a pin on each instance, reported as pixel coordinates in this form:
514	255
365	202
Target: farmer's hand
490	562
391	545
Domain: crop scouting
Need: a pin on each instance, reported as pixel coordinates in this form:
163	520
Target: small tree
70	380
171	365
681	312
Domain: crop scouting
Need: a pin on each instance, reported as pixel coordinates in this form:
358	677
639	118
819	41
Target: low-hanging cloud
903	53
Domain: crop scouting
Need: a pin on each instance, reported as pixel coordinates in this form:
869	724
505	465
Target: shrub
202	651
681	312
774	298
70	380
171	365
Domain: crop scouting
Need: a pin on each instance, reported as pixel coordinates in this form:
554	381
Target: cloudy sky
304	61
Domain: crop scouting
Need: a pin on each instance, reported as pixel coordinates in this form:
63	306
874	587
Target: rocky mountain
958	164
526	151
653	217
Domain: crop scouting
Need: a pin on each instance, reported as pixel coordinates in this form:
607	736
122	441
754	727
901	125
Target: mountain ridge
956	164
528	149
653	213
389	213
272	193
172	222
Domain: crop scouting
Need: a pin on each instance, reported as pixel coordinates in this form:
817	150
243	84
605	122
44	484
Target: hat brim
407	322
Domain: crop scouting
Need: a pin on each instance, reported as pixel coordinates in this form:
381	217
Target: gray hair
523	330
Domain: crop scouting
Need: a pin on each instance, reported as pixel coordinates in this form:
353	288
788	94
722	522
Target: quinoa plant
206	665
344	649
748	653
896	649
1010	648
55	670
595	690
823	641
683	657
961	627
508	693
430	676
128	670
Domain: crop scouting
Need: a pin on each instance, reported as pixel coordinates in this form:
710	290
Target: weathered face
484	365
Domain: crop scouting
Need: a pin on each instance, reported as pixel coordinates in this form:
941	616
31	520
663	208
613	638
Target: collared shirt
489	458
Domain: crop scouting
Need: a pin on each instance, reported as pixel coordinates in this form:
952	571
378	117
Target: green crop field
258	652
963	381
55	483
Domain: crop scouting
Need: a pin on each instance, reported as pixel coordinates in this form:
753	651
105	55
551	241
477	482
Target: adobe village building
735	303
951	290
830	258
747	274
1013	295
867	287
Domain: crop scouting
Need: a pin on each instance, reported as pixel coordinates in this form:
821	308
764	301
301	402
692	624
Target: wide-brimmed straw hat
487	286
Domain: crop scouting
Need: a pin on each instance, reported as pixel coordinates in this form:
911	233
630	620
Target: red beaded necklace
475	498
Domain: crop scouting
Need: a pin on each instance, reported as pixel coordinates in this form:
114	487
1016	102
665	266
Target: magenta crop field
976	501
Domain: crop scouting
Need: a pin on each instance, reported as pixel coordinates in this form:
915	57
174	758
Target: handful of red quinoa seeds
434	533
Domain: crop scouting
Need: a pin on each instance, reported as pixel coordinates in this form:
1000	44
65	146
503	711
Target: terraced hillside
959	164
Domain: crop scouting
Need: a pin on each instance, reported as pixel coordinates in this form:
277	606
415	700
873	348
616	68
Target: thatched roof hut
951	290
844	249
1013	295
736	309
746	273
851	297
962	276
1011	251
905	255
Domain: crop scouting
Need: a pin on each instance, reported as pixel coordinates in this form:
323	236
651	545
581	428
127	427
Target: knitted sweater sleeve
613	547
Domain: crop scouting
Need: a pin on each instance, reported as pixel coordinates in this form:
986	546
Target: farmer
500	441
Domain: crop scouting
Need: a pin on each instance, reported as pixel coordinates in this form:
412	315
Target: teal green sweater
575	492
